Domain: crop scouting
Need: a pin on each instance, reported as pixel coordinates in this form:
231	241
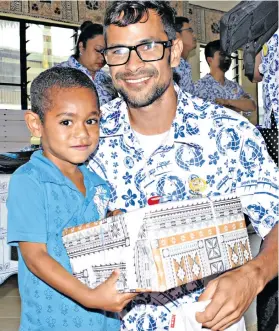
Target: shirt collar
75	64
115	120
210	77
184	63
49	172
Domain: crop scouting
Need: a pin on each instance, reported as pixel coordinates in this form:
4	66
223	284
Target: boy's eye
65	122
92	121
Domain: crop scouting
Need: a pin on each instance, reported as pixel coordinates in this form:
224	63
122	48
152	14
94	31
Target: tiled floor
9	305
10	301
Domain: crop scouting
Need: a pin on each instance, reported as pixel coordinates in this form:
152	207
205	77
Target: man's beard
154	94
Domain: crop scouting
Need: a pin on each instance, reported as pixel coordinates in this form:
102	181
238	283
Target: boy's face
70	131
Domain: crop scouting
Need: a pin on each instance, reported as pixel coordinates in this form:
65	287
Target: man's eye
65	122
92	121
120	51
148	47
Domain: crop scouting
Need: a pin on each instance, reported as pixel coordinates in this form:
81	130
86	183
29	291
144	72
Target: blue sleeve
243	94
257	183
26	210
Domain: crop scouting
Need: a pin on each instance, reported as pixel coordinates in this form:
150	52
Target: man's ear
178	36
33	123
209	60
80	47
176	50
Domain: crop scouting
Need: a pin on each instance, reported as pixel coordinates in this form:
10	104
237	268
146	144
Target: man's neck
218	75
185	55
156	118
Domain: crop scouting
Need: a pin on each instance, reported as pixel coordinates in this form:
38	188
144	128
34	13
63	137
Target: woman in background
88	59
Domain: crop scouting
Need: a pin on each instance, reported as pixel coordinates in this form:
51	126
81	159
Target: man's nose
135	62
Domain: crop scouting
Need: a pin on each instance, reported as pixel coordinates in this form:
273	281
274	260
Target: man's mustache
142	73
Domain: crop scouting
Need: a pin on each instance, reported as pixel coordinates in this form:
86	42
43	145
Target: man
183	72
155	140
216	87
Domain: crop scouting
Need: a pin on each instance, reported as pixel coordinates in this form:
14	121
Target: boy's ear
176	50
33	123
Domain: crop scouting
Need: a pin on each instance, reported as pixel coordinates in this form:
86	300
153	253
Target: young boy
54	191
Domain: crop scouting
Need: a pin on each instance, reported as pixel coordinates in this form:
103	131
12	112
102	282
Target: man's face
188	38
215	60
141	83
219	62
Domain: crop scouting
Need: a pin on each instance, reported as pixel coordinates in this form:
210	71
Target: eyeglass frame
166	44
186	29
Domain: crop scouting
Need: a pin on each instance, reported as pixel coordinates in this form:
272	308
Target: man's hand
231	295
222	102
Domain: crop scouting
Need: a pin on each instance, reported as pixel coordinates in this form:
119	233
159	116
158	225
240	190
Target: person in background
87	58
183	73
54	191
215	87
267	71
156	140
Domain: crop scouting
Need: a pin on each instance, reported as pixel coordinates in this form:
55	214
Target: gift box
161	246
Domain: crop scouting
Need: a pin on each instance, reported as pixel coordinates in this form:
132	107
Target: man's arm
233	292
242	104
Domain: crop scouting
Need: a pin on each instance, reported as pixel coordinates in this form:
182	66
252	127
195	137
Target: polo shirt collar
49	172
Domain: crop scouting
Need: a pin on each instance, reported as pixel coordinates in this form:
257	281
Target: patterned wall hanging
204	21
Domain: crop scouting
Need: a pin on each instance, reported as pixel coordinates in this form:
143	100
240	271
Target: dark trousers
267	300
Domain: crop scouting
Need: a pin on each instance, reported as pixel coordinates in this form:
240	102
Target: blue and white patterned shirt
102	81
269	68
209	89
207	142
184	72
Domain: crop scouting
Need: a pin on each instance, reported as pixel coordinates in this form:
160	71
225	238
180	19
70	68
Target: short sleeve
257	179
26	210
244	94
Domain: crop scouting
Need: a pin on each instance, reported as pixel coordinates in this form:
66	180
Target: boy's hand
106	297
114	213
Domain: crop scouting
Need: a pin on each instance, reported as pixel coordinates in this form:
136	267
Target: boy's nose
81	132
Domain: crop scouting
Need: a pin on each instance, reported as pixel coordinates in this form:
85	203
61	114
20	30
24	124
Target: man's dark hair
89	30
179	20
59	77
134	11
211	48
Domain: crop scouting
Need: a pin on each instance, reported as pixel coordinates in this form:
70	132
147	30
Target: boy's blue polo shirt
41	203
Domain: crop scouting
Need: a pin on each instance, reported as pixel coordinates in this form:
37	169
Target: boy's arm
51	272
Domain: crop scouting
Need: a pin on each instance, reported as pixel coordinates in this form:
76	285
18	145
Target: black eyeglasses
147	52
